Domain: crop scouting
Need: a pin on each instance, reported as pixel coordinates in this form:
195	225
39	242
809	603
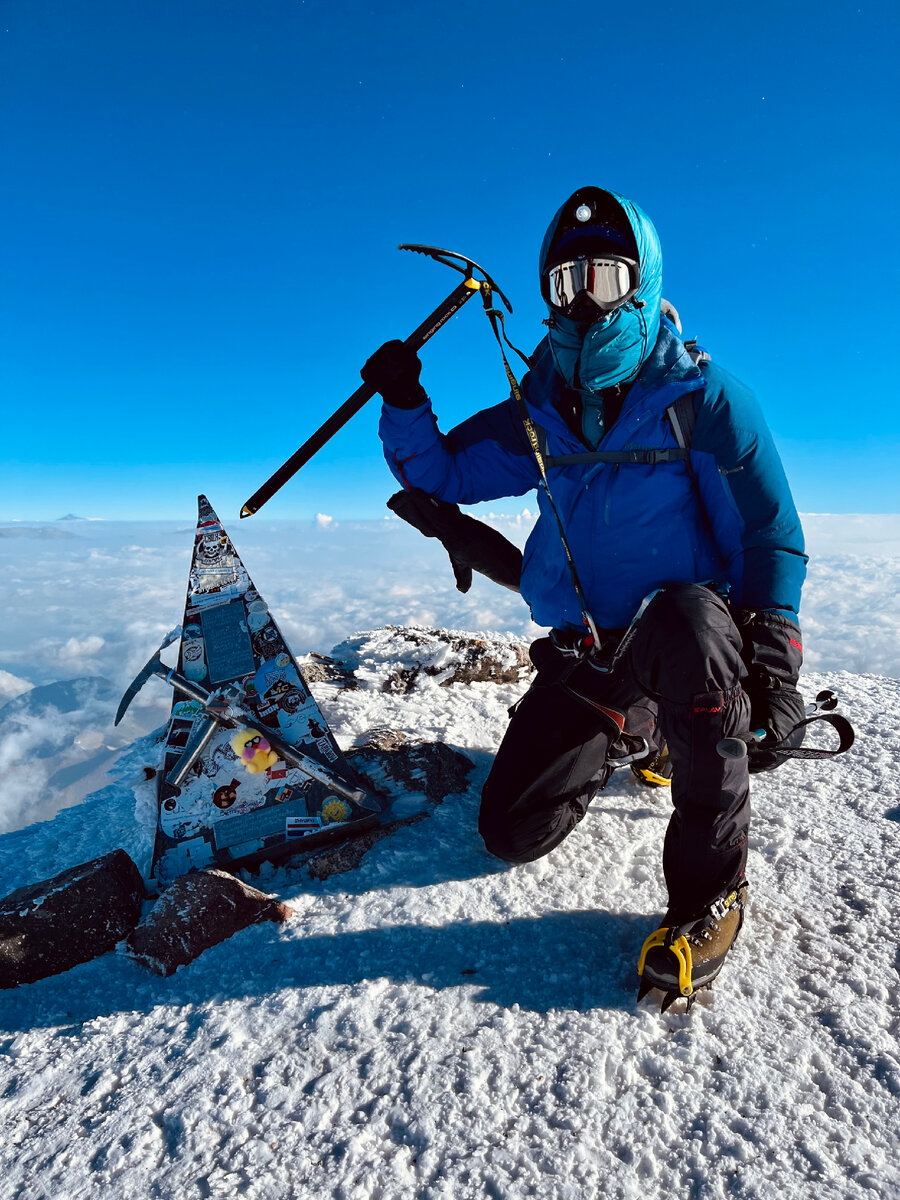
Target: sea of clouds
91	601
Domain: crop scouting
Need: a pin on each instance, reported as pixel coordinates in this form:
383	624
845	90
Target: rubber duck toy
253	750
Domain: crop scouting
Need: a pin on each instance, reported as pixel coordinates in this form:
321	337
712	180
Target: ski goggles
608	279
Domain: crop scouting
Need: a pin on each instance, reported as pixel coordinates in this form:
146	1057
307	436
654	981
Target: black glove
393	370
772	654
471	544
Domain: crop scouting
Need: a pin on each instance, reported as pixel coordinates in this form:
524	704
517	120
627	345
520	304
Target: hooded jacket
632	527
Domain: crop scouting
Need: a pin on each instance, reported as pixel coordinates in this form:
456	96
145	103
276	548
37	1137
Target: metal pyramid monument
250	768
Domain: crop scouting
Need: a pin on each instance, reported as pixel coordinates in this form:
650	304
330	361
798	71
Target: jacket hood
607	208
617	215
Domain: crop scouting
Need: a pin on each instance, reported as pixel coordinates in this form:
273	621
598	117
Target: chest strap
640	456
681	418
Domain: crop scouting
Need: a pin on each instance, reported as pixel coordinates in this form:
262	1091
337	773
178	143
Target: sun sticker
334	811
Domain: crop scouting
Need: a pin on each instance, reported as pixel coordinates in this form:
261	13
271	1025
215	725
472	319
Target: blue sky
201	204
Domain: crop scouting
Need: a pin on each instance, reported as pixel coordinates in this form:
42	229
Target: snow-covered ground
434	1024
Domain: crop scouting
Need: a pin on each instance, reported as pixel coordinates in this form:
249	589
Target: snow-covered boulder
195	912
393	763
395	658
48	927
323	668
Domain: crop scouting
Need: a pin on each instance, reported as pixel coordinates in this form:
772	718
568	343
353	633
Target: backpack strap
640	455
683	417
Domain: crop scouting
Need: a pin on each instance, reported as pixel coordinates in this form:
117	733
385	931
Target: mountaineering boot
655	770
682	959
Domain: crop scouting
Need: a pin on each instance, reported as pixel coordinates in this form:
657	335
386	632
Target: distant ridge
36	531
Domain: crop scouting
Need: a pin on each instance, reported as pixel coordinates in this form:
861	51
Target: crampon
655	770
682	960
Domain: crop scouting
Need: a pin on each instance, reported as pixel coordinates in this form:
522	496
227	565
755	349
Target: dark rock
382	738
347	857
390	762
53	925
321	668
195	912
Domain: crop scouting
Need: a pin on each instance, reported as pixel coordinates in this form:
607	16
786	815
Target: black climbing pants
680	681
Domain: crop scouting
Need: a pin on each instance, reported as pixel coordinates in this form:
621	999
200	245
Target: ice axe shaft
353	404
429	327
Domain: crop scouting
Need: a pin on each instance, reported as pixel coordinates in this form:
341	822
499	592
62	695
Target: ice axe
223	708
429	327
155	666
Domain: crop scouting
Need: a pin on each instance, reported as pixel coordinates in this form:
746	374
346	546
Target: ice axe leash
821	709
463	292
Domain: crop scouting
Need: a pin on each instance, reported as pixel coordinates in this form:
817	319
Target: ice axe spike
463	292
155	666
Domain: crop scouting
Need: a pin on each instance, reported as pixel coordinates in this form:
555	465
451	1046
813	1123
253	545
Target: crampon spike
644	987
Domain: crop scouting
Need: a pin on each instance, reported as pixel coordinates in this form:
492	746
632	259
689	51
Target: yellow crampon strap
652	777
682	951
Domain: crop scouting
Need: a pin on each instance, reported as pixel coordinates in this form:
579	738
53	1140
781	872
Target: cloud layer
98	604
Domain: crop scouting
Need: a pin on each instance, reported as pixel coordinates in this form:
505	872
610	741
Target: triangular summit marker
241	799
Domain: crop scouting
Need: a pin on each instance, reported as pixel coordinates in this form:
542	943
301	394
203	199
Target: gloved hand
772	654
471	544
393	370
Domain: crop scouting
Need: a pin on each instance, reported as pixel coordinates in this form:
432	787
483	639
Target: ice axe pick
464	291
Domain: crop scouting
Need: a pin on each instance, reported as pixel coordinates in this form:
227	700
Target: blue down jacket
631	527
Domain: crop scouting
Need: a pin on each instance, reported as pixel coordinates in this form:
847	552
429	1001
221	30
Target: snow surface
435	1024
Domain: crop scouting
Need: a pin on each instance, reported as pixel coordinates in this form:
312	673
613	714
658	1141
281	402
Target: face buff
598	356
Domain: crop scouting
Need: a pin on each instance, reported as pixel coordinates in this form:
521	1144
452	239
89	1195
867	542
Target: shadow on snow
566	960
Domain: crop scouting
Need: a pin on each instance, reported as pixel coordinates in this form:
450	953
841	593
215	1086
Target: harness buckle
572	643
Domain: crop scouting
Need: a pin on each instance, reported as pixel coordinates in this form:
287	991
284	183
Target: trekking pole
429	327
820	709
